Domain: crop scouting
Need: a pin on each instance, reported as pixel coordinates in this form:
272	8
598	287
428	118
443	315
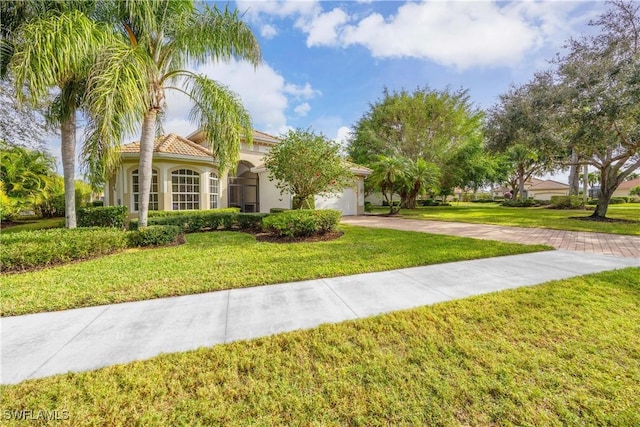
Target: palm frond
221	116
119	88
52	51
218	35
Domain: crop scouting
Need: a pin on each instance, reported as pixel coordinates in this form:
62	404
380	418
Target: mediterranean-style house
539	189
186	177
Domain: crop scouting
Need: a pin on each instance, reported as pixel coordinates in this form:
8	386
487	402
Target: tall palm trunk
68	148
145	169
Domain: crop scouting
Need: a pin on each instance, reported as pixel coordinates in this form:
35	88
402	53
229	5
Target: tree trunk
68	148
145	168
574	176
520	186
608	185
585	183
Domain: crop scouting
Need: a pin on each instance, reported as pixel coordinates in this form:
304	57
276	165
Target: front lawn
493	213
30	224
563	353
224	260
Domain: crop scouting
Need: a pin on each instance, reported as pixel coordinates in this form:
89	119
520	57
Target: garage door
344	202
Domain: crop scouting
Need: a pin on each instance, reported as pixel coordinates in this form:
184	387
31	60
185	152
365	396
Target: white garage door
345	202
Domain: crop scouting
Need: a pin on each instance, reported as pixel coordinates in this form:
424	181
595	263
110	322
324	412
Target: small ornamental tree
305	164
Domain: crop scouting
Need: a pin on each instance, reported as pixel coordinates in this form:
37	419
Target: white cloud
279	8
301	92
459	34
268	31
322	29
264	92
302	109
342	136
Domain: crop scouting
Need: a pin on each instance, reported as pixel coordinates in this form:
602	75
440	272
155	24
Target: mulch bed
599	219
270	238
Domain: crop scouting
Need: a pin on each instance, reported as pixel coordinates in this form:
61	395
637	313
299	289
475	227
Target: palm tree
128	82
388	175
418	177
26	175
56	50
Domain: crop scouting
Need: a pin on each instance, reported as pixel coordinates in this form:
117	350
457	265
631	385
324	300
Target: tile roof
171	144
629	184
549	185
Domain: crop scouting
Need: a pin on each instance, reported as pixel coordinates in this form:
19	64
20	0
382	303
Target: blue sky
325	61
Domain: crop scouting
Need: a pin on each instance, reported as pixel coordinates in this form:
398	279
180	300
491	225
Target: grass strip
563	353
489	213
225	260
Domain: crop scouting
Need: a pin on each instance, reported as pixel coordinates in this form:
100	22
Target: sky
324	62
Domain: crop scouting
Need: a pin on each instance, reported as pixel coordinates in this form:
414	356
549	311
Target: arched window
214	189
185	189
153	194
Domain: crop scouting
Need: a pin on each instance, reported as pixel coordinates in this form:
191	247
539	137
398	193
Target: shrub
635	191
513	203
105	216
97	203
566	202
278	210
484	201
302	223
368	207
395	203
154	214
39	248
155	235
618	200
194	221
250	221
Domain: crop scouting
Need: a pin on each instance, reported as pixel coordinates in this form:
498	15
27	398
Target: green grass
34	224
224	260
563	353
489	213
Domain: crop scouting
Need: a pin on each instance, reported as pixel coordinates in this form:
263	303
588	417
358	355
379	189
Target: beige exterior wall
546	194
270	196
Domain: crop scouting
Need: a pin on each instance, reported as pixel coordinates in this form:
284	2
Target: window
185	189
213	191
153	194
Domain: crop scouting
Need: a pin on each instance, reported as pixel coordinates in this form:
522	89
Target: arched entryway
244	191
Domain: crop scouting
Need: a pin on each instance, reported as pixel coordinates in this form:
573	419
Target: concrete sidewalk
44	344
581	241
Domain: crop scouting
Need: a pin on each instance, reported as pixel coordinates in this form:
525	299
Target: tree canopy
304	164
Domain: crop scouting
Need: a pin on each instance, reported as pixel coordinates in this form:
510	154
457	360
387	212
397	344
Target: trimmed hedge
155	235
103	216
612	201
566	202
39	248
154	214
195	221
520	203
302	223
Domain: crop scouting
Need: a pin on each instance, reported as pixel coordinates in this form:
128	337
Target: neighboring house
625	187
185	177
544	190
500	191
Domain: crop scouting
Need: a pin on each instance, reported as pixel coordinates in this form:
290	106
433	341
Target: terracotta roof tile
549	185
171	144
629	184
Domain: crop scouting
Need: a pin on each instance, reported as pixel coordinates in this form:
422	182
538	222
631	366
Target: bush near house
40	248
612	201
566	202
195	221
103	216
155	235
302	223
